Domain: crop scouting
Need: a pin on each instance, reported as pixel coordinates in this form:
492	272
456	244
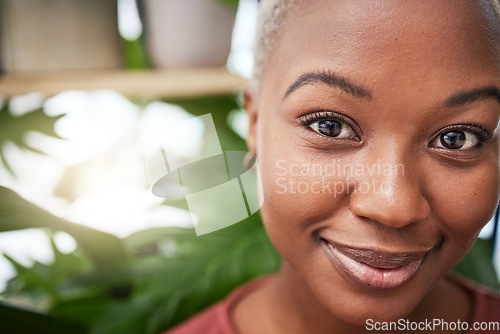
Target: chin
358	309
378	313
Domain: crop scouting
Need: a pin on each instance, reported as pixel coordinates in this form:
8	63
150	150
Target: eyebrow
331	79
474	95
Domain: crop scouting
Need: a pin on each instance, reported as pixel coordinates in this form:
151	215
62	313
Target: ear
250	105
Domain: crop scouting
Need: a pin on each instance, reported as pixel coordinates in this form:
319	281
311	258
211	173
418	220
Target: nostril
403	204
371	220
391	212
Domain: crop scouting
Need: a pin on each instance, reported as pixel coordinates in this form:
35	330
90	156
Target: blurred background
86	90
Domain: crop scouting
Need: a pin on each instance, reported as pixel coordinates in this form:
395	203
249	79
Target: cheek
295	189
464	201
297	197
291	194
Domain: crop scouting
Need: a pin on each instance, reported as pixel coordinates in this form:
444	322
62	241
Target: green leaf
82	310
203	270
34	278
135	54
14	128
22	321
17	213
230	3
65	266
477	264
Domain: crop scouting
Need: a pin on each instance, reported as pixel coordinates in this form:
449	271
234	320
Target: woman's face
375	127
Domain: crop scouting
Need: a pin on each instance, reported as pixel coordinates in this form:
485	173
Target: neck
287	305
293	304
291	307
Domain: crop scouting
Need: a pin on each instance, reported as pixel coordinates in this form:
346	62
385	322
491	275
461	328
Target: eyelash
480	131
315	116
322	115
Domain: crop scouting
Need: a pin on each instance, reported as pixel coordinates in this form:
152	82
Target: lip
374	269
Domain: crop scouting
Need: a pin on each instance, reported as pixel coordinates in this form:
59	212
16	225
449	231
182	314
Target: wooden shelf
167	83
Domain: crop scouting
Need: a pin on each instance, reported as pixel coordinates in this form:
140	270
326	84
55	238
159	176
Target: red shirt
217	319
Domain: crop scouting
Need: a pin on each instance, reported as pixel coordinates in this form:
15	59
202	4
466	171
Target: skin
412	58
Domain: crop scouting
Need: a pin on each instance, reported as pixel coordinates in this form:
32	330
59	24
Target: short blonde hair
272	17
496	6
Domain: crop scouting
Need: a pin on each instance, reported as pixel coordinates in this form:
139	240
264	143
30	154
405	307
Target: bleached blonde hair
273	16
496	6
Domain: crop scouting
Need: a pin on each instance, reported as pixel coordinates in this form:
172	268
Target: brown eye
456	140
330	128
334	129
453	140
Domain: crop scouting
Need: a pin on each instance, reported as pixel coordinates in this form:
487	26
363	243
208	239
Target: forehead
366	37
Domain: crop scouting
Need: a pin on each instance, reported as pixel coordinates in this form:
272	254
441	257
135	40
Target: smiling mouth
373	269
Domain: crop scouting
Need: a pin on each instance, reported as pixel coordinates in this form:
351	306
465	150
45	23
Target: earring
249	160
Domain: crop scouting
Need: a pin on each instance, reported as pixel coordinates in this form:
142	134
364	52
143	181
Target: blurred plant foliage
14	128
230	3
135	56
152	279
145	283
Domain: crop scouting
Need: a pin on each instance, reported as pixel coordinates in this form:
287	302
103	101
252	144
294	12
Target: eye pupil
330	128
453	139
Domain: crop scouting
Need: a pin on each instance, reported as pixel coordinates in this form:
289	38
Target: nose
390	194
